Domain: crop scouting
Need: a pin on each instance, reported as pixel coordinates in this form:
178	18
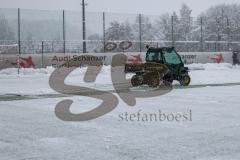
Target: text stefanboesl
158	116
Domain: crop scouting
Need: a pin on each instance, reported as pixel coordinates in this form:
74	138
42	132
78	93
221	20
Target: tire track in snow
14	97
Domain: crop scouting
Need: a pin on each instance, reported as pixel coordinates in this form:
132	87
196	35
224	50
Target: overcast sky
154	7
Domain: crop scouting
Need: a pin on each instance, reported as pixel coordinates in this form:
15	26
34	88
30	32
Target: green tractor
163	65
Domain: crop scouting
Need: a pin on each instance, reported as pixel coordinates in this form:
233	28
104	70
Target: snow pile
106	69
46	71
36	81
81	71
27	71
212	73
212	66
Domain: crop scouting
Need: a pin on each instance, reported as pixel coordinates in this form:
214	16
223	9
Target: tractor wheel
136	81
167	83
185	80
167	80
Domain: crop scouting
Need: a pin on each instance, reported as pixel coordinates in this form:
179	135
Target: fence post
228	34
172	31
104	32
201	34
64	34
140	32
42	53
19	40
84	27
218	35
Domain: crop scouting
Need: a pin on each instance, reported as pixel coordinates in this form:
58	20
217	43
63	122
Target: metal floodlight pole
228	34
104	32
64	33
19	40
218	35
84	26
201	34
172	32
42	53
140	32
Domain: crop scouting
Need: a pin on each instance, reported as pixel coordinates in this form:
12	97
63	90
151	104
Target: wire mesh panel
8	31
8	24
73	31
95	31
40	26
188	34
8	38
62	32
122	27
215	34
150	31
149	28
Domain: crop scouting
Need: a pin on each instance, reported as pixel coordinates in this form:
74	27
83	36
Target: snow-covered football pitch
200	122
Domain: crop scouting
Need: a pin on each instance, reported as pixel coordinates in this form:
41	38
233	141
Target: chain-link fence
37	31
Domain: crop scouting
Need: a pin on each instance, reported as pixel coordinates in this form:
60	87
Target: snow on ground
214	73
35	81
29	129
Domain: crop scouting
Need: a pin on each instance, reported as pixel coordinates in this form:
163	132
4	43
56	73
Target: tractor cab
169	57
163	55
